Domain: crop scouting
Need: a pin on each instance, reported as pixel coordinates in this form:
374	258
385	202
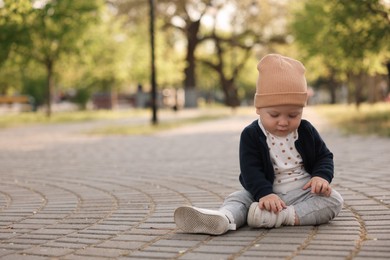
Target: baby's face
281	120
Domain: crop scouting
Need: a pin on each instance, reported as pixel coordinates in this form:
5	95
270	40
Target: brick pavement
65	195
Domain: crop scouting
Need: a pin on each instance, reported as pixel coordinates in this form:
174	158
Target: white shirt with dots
287	162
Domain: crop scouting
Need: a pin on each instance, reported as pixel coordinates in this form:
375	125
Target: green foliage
344	33
343	41
10	78
247	80
94	46
46	30
14	15
58	28
91	46
104	62
82	97
34	87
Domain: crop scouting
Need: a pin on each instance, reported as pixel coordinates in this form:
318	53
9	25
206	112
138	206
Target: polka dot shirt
287	162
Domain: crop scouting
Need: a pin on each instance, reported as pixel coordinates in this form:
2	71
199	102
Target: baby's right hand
272	202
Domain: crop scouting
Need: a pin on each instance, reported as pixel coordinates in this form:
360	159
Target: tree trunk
332	88
388	74
189	71
49	87
358	90
231	93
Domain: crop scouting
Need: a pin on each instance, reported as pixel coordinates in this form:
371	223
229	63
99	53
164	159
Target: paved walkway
65	195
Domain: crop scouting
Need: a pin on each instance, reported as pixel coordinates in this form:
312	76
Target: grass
22	119
148	129
114	125
368	119
167	120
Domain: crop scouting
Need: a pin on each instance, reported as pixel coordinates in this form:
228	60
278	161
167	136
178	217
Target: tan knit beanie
281	81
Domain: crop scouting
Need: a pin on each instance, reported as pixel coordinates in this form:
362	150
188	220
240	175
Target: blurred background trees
72	50
47	31
350	39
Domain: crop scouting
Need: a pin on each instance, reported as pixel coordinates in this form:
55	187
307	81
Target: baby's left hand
319	186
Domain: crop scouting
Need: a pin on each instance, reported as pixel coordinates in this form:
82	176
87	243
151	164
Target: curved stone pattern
67	195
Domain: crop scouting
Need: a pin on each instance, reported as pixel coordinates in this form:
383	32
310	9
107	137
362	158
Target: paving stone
324	252
101	252
79	257
47	251
14	246
218	249
22	257
125	245
177	243
70	245
152	255
323	257
203	256
4	252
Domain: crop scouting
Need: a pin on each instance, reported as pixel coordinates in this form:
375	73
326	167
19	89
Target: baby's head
281	82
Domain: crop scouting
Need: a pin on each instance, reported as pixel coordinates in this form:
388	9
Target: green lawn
366	120
148	129
167	119
28	118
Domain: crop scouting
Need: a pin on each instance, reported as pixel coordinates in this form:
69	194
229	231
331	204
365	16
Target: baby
286	168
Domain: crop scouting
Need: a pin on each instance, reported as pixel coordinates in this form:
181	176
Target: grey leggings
311	209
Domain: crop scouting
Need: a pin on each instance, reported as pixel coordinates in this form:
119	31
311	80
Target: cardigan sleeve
252	157
317	158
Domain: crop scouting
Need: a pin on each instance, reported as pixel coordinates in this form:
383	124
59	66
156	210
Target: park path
67	195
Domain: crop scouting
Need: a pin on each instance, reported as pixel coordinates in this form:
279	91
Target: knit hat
281	81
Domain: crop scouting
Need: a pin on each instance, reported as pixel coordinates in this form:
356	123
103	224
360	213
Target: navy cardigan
257	173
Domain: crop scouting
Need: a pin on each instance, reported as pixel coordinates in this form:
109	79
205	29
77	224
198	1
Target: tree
169	59
183	16
347	35
104	66
186	16
234	43
52	29
247	25
13	16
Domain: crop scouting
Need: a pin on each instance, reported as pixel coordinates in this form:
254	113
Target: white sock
263	218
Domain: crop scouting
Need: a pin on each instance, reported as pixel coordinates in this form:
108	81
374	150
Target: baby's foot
204	221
